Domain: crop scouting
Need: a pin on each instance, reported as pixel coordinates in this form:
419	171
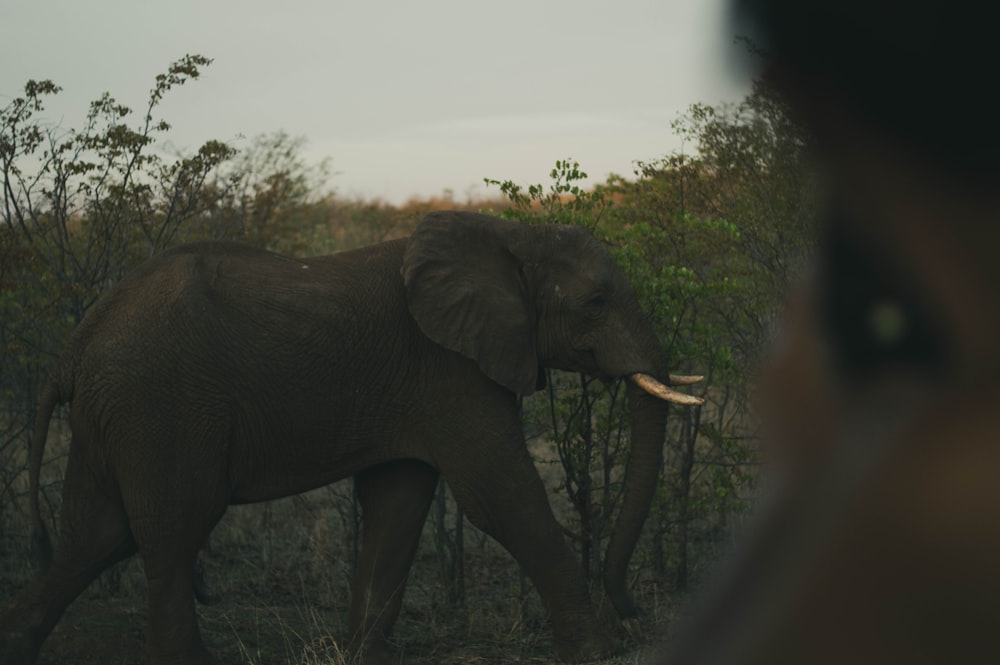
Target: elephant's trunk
648	419
647	399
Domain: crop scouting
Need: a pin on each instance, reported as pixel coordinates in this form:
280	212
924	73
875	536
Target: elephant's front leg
497	485
395	498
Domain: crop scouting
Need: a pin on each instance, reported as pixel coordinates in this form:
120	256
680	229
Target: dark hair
923	72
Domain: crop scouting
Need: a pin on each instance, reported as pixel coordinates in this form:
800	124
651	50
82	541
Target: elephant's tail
47	402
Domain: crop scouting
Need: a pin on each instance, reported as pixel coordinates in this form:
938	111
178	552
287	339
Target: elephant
219	374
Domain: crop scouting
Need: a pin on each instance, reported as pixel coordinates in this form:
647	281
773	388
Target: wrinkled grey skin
218	374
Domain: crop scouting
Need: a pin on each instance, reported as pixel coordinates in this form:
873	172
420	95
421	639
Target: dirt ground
288	631
283	571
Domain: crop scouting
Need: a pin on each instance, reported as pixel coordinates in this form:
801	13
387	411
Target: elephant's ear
465	288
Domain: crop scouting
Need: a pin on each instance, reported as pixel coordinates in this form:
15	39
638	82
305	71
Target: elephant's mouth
580	360
586	360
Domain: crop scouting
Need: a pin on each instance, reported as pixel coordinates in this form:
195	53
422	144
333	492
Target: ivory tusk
682	380
657	389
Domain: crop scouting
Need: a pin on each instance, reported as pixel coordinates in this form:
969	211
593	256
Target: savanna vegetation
710	240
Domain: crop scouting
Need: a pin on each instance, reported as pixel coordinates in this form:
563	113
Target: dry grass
284	571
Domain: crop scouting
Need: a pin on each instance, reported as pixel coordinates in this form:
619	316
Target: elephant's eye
597	303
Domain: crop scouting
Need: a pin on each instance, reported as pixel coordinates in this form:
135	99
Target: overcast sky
405	98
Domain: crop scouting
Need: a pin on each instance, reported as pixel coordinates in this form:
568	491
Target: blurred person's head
899	98
884	394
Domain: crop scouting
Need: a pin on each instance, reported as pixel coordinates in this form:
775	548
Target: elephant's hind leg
168	555
93	535
172	633
395	498
181	495
168	543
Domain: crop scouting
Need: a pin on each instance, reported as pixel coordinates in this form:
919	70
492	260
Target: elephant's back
163	297
196	285
223	307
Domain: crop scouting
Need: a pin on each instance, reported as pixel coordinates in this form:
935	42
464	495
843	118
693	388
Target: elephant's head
515	298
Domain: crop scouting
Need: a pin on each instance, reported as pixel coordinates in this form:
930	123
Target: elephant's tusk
682	380
657	389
